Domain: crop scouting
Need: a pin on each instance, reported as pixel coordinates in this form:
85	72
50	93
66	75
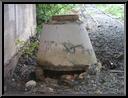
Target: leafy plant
31	48
20	42
45	11
27	48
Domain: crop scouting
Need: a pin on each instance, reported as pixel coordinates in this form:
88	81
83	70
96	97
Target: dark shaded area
58	74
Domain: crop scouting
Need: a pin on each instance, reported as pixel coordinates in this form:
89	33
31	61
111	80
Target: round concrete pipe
65	46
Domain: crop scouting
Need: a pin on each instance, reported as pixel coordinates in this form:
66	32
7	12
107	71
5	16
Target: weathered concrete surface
19	24
65	47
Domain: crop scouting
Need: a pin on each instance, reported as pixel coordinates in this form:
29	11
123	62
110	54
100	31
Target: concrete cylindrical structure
65	45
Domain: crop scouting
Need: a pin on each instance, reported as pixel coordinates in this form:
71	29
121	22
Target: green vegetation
45	11
116	10
31	49
28	47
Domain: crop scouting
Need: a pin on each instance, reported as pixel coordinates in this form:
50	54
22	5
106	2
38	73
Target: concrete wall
19	23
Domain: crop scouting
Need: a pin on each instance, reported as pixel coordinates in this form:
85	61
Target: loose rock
51	89
98	92
92	69
30	84
67	77
82	75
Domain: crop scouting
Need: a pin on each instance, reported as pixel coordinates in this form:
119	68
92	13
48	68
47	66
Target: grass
116	10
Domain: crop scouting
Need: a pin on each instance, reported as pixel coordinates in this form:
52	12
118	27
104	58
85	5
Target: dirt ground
107	37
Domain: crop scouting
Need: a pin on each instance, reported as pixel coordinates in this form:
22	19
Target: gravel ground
107	37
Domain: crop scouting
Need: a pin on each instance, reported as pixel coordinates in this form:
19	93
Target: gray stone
30	84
